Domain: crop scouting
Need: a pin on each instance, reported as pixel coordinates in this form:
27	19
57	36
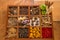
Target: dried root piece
11	32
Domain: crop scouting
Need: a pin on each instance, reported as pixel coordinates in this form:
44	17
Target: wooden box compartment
13	10
35	32
23	32
23	21
34	10
35	21
12	21
23	10
11	32
46	32
46	21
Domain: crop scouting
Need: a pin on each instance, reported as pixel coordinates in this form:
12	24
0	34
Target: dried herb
43	9
46	21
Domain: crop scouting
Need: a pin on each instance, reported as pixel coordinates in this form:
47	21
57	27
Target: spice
23	10
34	10
35	32
47	32
12	21
13	10
23	32
11	32
23	21
34	21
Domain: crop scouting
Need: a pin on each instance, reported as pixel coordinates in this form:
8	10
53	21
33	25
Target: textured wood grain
57	30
